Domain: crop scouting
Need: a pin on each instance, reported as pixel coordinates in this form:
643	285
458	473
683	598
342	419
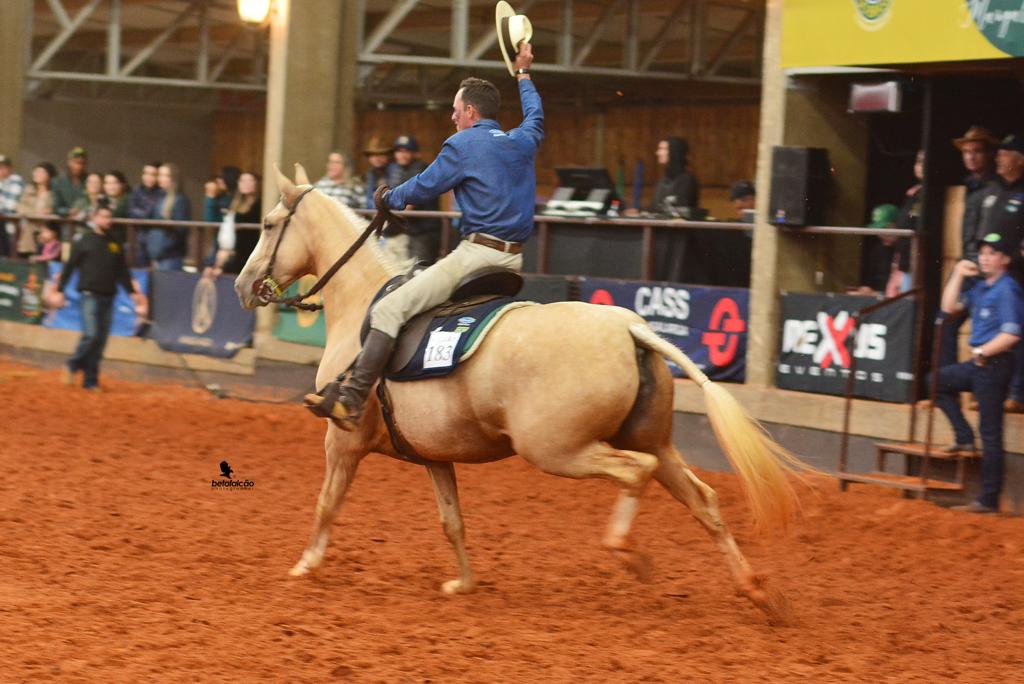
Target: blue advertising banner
69	317
195	315
708	323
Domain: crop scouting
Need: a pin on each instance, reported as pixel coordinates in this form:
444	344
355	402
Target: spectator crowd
232	197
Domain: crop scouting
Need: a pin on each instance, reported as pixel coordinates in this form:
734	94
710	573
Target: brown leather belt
494	243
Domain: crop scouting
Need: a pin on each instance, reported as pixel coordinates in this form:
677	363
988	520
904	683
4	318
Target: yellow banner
861	32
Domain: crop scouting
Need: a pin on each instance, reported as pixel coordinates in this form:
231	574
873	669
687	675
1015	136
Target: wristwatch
979	356
522	70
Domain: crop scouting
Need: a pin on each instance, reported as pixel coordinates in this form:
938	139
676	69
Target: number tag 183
440	352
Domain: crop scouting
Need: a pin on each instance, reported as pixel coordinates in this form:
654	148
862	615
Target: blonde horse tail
762	463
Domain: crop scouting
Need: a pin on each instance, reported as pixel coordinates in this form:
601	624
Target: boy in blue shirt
996	305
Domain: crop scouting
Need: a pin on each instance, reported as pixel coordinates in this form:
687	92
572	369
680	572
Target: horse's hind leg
442	476
616	538
702	501
630	469
342	462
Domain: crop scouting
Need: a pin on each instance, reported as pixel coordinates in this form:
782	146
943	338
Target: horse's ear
300	175
285	186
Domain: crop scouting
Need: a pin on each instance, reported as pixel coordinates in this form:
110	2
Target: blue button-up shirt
491	171
996	308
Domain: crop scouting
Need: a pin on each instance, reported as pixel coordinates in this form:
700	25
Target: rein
268	291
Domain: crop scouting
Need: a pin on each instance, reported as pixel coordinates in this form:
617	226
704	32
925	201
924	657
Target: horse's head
282	254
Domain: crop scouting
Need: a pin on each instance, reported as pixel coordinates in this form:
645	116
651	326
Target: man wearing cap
378	155
99	260
424	233
743	196
11	188
492	174
880	253
1002	213
70	186
977	149
996	305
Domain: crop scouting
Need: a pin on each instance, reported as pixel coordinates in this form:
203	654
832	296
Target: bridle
269	291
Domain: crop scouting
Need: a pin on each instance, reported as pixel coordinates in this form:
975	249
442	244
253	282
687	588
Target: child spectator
49	246
11	188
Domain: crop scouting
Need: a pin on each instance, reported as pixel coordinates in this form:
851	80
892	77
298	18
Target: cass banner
708	323
818	346
198	315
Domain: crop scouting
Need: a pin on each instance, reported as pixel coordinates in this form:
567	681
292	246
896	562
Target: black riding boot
344	401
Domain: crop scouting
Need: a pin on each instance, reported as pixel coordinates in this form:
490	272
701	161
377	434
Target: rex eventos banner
708	323
818	346
861	32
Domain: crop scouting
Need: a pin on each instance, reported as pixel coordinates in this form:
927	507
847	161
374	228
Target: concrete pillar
811	113
763	332
15	29
310	92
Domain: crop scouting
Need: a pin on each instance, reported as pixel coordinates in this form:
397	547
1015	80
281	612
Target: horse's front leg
442	475
344	452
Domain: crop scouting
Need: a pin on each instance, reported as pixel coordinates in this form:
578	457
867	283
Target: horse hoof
639	564
456	586
299	569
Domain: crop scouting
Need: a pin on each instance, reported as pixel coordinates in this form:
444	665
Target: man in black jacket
101	266
977	148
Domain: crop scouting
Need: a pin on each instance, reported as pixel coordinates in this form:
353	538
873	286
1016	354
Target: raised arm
951	301
532	127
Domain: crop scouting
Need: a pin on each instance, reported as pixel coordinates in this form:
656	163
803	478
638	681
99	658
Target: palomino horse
570	387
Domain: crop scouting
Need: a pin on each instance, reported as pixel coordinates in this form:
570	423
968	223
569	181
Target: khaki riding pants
435	284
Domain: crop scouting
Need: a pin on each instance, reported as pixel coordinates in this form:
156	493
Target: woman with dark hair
232	247
115	193
38	198
679	186
220	191
84	206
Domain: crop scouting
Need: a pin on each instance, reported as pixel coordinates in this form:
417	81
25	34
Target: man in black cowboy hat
978	151
492	174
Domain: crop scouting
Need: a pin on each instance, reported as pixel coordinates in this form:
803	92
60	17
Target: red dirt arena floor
118	562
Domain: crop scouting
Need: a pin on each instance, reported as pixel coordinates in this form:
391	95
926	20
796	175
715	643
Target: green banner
21	291
302	327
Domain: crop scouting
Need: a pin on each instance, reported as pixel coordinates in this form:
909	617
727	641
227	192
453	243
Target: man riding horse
492	174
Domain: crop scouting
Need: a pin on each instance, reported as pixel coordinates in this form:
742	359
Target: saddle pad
449	340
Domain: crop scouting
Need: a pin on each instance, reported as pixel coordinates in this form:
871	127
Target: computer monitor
585	180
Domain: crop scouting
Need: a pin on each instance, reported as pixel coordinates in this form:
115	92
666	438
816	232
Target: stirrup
328	405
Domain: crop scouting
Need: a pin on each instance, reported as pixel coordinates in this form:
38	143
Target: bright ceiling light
253	11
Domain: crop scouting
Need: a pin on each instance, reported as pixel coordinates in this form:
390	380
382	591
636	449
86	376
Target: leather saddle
474	289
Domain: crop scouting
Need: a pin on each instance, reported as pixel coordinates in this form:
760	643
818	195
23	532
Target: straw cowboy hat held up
513	29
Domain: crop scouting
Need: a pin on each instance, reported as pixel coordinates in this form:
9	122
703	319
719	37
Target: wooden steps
911	483
906	482
917	449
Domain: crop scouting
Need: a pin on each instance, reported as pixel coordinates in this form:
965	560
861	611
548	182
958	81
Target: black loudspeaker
799	185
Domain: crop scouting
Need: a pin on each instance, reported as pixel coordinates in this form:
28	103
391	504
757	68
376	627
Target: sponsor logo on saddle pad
228	482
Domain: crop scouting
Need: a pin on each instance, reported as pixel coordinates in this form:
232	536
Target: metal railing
201	233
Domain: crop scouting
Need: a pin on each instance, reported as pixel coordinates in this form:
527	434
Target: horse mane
387	261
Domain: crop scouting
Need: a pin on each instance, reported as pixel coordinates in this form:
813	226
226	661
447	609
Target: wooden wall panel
237	141
722	137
